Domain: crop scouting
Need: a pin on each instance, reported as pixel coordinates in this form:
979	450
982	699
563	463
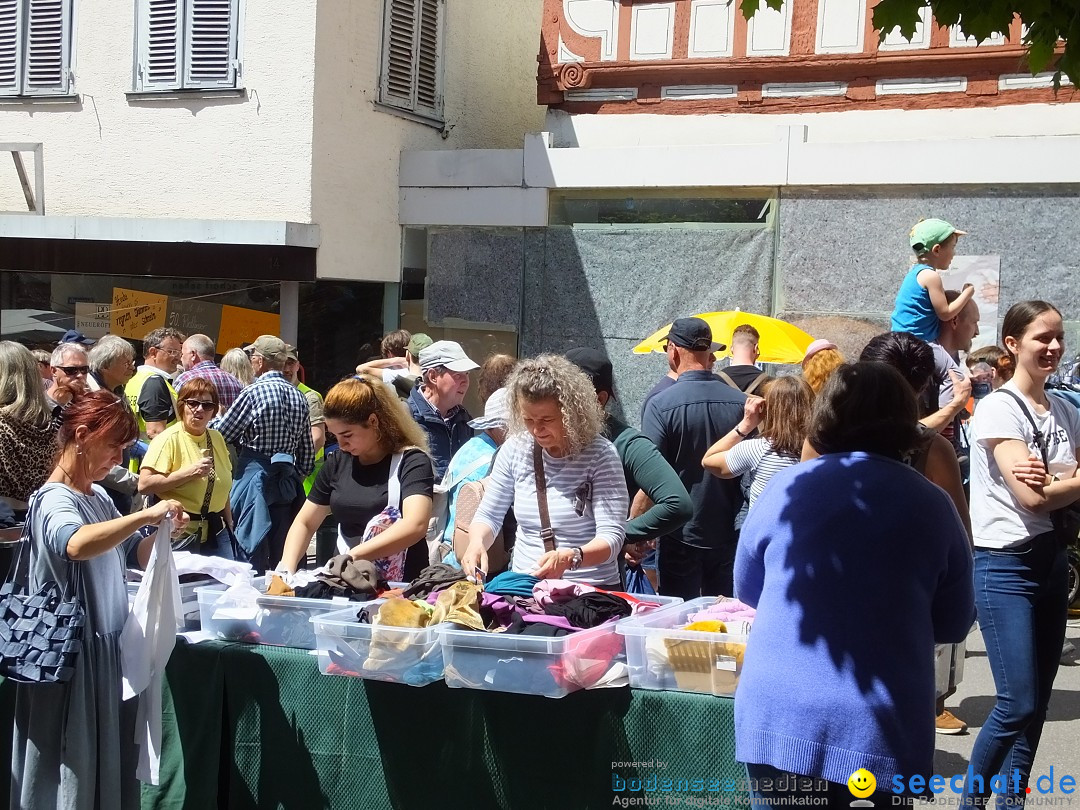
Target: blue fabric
445	436
637	582
857	566
683	422
260	485
913	311
1021	595
509	583
475	449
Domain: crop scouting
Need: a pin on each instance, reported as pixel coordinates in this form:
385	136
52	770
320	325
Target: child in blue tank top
921	305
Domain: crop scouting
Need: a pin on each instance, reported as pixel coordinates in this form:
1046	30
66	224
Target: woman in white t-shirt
784	416
555	422
1020	564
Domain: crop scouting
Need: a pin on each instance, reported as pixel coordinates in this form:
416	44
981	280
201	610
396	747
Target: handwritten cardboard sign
136	313
194	317
240	326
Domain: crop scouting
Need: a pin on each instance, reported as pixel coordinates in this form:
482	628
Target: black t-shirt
155	401
357	492
743	376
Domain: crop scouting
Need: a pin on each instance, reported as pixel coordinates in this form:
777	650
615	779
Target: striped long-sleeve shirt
593	479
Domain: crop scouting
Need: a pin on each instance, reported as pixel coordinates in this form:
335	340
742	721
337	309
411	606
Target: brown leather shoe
949	723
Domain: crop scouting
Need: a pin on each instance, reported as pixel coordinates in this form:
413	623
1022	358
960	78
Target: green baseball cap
928	233
419	342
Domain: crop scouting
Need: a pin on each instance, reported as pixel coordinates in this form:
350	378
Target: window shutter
11	52
159	45
210	43
429	59
48	47
399	50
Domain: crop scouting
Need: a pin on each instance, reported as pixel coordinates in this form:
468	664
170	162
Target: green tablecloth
252	726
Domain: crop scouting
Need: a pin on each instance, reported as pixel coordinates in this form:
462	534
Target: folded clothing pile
702	664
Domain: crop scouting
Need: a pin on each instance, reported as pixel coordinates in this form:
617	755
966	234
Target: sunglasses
74	371
198	404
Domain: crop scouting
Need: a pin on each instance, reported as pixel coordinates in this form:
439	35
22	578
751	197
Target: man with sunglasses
69	369
150	392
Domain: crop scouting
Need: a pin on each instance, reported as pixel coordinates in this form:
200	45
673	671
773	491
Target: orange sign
136	313
239	327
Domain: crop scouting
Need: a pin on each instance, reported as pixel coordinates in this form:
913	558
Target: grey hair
154	339
108	350
201	345
57	358
552	376
22	396
236	362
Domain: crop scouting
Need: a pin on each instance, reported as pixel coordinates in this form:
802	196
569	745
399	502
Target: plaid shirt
270	416
228	387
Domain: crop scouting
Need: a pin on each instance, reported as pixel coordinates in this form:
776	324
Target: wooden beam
24	180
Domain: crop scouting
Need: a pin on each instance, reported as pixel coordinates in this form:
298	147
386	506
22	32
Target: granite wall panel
475	274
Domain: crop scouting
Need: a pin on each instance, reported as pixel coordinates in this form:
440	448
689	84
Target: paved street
1060	746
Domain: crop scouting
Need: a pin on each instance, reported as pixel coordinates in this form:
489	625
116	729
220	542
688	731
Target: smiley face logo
861	783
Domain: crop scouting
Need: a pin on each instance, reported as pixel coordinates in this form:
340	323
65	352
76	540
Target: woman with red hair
74	744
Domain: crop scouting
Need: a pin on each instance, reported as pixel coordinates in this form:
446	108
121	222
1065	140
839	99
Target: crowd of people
833	497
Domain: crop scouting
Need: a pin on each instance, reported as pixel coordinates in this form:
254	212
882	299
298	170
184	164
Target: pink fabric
557	591
726	610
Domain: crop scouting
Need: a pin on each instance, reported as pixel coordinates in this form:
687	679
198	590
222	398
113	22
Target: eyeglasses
74	371
170	352
198	404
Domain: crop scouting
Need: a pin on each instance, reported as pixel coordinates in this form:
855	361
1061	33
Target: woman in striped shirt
555	424
784	415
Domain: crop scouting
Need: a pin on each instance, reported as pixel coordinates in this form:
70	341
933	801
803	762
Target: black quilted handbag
40	633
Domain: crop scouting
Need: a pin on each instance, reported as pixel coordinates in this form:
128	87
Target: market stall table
256	726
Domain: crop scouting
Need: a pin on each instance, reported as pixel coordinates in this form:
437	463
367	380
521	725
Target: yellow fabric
309	482
459	604
708	626
134	387
175	448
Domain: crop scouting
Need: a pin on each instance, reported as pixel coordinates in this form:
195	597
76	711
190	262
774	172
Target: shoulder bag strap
393	485
758	380
723	375
547	534
1040	440
211	478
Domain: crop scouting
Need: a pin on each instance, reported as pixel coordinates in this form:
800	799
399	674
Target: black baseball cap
596	365
693	334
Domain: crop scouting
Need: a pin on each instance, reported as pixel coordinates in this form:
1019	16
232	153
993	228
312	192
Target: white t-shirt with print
998	520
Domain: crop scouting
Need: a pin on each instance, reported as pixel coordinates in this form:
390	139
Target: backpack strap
758	380
723	375
547	534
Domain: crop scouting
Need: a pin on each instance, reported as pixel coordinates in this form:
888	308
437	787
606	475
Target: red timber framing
572	62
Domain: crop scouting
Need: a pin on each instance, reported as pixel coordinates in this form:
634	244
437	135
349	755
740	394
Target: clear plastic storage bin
535	665
189	600
282	621
661	657
410	655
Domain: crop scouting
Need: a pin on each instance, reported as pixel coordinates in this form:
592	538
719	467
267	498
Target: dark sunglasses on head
74	371
198	404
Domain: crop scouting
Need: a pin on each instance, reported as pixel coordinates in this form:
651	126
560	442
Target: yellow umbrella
780	341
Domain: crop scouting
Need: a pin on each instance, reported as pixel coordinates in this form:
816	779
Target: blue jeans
1020	596
771	788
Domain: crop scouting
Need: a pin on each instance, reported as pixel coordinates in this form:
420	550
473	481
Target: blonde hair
355	399
237	363
551	376
22	396
818	369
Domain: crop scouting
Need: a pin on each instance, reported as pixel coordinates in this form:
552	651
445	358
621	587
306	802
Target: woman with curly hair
555	425
822	358
379	444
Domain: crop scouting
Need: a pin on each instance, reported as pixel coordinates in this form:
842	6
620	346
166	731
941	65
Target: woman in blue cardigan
857	566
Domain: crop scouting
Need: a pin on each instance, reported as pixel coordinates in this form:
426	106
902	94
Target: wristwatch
575	559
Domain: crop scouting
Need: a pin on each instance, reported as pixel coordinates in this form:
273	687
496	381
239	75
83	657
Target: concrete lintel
474	207
462	167
199	231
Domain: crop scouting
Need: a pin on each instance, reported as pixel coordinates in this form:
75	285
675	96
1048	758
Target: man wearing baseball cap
403	373
921	305
696	559
436	402
269	421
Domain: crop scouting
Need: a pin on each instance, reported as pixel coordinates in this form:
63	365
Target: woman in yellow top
189	462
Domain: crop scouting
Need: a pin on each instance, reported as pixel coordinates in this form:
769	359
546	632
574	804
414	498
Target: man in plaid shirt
197	357
269	421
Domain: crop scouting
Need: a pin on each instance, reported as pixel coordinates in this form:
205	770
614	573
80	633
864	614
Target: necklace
70	478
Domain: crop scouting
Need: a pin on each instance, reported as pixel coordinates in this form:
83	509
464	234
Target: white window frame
406	103
183	78
17	65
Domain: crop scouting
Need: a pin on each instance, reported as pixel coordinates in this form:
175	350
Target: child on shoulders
921	304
